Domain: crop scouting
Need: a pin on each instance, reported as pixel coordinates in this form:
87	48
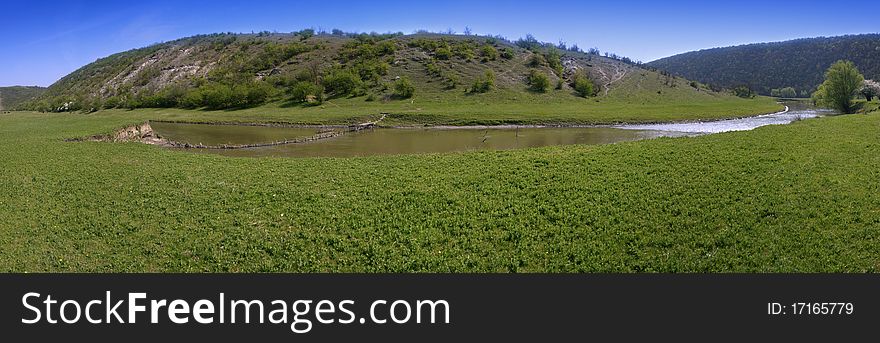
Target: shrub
217	96
305	91
433	69
582	85
538	81
536	61
443	53
192	99
341	82
485	83
403	88
488	53
507	53
743	92
554	60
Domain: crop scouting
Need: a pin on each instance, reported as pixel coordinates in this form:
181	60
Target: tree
842	82
403	88
538	81
305	91
743	92
787	92
870	89
341	82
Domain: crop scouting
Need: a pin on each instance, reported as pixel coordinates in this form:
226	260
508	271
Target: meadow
557	107
803	197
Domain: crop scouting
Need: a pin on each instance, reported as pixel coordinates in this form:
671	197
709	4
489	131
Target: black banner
438	307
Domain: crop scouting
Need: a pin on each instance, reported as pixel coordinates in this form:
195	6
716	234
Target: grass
798	198
497	107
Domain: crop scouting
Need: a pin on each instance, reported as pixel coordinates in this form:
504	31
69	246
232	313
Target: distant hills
226	70
11	97
799	63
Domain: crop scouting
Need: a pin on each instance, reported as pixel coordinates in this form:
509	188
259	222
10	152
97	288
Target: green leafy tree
842	82
341	82
743	92
305	91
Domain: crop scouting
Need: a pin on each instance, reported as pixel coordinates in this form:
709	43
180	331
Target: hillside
372	73
798	63
10	97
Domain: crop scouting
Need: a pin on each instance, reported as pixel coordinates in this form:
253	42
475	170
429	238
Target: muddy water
417	141
387	141
227	134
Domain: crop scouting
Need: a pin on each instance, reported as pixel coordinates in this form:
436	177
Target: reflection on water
227	134
414	141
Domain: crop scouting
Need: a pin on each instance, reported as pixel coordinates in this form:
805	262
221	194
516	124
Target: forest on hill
11	97
799	64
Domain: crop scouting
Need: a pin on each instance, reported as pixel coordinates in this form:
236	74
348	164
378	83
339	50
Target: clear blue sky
44	40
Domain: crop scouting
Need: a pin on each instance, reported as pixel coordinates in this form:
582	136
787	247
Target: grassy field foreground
798	198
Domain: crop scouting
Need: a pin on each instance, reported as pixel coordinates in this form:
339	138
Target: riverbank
792	198
474	110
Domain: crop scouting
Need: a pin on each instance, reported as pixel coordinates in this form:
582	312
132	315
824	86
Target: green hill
425	74
797	63
11	97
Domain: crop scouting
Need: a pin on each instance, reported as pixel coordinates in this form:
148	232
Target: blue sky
43	40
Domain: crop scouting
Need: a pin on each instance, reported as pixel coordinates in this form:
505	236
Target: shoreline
475	127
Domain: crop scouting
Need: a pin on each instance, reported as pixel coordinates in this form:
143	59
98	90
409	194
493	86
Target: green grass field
498	107
798	198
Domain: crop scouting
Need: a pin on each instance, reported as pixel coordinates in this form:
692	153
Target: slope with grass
803	197
456	80
11	97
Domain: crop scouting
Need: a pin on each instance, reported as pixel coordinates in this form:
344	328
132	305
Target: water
419	141
797	110
227	134
388	141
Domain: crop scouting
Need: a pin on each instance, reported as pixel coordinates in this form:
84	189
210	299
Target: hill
436	73
799	63
11	97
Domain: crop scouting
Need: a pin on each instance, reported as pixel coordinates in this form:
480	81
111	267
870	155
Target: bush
305	91
341	82
582	85
538	81
488	53
403	88
536	61
743	92
192	99
443	53
554	60
485	83
507	53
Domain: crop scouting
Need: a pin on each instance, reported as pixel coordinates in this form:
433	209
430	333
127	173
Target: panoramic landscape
329	150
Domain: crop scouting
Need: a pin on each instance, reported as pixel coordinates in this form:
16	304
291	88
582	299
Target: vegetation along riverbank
800	197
